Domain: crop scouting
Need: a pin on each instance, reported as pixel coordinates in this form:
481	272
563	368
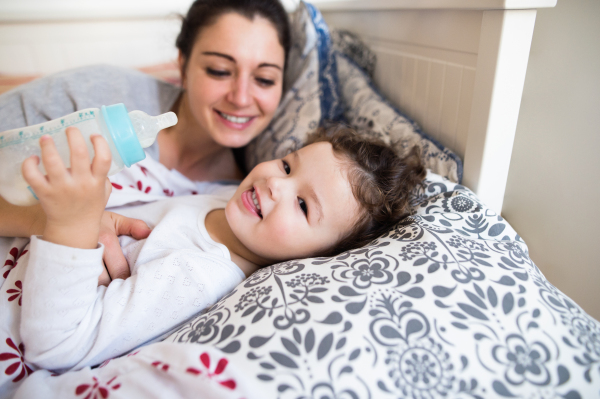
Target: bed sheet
447	304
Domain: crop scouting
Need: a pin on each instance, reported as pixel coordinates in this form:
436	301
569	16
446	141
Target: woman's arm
21	221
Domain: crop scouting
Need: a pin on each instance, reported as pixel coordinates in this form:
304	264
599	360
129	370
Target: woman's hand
113	225
72	199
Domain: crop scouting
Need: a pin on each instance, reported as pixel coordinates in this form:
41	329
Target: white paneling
433	4
454	31
434	92
425	64
464	110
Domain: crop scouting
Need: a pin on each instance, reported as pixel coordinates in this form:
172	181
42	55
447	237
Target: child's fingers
102	156
80	159
107	187
32	174
55	168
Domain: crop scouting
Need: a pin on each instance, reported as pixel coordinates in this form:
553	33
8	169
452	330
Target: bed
446	304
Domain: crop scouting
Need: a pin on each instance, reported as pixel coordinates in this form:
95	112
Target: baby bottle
126	133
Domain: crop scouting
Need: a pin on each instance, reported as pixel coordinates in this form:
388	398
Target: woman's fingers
80	159
104	278
102	157
112	226
55	168
32	174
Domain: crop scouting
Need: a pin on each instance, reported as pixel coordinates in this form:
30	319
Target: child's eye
286	167
217	72
303	206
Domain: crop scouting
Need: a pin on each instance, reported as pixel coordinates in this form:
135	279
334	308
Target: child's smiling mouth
251	202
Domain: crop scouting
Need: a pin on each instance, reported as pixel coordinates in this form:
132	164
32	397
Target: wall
39	37
553	184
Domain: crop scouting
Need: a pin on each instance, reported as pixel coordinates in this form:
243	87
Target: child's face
305	205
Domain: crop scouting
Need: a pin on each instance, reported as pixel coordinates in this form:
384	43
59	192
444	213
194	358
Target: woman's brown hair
203	13
381	182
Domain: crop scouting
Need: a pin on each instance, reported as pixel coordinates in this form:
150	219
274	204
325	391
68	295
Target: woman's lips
248	203
235	122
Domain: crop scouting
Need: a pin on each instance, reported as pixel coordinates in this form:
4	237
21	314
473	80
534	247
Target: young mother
232	57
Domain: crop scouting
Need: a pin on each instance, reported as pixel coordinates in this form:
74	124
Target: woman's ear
182	61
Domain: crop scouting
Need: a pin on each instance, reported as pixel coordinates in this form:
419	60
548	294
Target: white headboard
455	66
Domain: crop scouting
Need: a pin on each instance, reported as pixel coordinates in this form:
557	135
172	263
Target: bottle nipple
147	127
166	120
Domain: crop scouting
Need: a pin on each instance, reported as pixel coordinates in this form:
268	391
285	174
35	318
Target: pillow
350	45
311	90
370	113
447	304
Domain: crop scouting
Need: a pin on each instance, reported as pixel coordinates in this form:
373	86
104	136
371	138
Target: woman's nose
239	94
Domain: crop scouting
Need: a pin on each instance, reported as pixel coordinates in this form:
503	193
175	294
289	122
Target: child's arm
66	324
73	200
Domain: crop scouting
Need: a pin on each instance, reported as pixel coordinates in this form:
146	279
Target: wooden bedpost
504	47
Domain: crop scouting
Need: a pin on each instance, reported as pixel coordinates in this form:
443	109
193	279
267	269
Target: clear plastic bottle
126	133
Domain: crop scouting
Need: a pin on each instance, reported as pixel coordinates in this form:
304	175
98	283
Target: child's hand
73	199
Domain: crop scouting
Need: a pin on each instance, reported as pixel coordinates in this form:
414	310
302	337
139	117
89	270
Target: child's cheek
282	233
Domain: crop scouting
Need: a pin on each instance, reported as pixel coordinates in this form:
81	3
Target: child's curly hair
381	182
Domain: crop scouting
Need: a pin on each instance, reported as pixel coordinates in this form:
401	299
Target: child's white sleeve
68	322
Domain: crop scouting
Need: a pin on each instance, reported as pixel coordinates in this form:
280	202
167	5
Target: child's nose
275	186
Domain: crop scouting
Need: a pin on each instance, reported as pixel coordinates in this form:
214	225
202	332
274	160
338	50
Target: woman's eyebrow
265	64
230	58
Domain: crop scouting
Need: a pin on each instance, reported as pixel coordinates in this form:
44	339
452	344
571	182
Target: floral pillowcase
447	304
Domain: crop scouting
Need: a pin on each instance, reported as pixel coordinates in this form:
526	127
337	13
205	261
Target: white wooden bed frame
455	66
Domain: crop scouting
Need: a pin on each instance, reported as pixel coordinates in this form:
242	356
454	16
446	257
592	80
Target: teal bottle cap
122	132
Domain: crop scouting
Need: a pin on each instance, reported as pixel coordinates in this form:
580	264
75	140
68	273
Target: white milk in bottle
126	133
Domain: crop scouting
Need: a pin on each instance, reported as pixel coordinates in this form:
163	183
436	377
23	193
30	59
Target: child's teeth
235	119
255	200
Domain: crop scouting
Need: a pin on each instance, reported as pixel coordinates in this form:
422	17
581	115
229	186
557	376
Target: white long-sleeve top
56	317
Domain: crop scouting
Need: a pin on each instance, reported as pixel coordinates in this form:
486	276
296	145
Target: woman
232	57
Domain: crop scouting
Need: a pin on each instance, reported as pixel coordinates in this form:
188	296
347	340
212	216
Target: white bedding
447	304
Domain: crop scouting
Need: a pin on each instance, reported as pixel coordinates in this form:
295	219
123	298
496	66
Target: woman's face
234	77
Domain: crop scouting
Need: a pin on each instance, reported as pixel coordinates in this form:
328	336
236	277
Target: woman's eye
286	167
217	72
265	82
303	206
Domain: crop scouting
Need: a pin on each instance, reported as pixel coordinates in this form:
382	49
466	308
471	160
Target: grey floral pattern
446	304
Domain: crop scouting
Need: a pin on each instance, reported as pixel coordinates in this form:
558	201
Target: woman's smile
235	122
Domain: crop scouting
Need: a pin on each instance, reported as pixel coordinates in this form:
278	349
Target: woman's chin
235	138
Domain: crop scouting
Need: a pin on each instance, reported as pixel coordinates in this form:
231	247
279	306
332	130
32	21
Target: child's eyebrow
311	191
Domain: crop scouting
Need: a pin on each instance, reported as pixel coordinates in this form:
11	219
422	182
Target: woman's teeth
235	119
256	202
